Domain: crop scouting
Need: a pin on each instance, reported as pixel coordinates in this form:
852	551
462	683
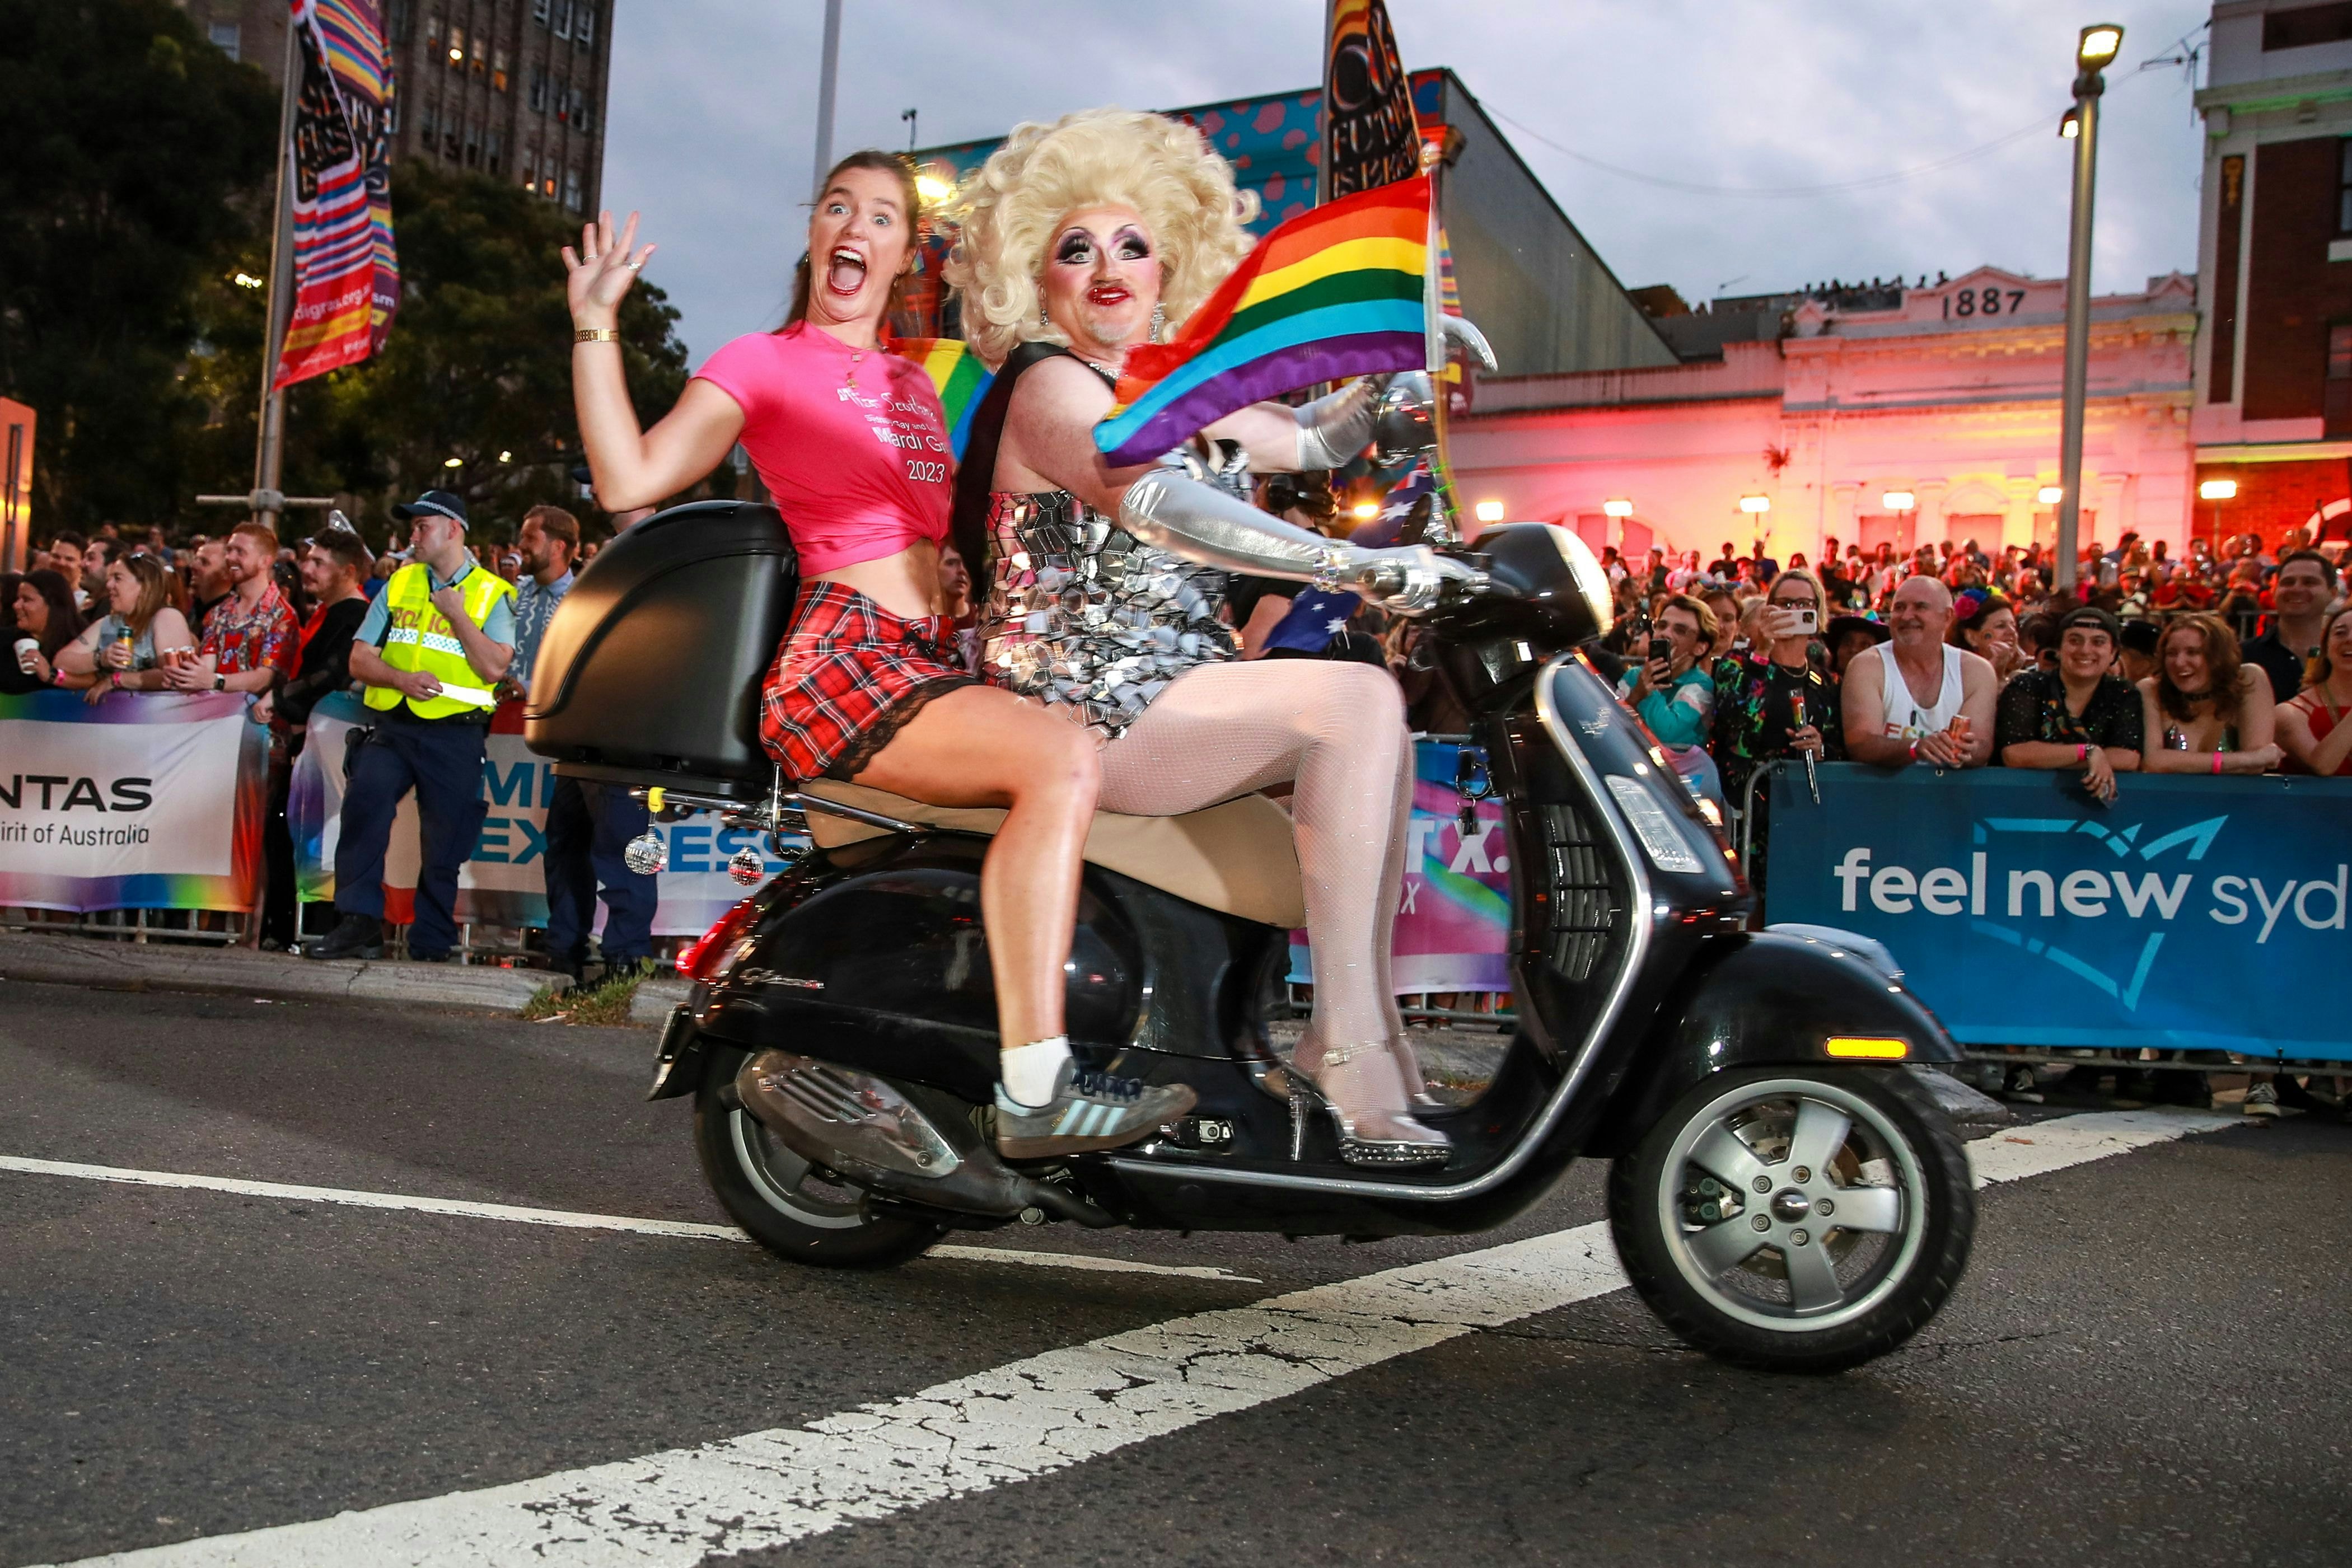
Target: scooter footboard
1766	998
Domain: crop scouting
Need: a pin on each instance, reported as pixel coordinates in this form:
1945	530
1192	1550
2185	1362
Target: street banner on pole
346	276
147	801
2188	915
1370	135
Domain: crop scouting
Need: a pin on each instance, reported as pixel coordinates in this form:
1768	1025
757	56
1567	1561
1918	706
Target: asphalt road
2147	1363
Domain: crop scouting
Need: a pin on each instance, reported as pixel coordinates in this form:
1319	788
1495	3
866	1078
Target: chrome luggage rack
783	815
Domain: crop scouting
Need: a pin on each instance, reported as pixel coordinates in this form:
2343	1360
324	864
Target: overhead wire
2042	124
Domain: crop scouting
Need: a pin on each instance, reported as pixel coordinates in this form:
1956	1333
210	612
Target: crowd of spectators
1952	658
125	611
1955	658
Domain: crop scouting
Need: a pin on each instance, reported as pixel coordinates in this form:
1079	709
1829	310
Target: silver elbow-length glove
1178	514
1332	430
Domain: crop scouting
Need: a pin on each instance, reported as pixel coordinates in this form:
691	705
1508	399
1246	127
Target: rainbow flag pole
1343	289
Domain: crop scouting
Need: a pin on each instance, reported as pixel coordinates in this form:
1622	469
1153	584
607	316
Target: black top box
650	672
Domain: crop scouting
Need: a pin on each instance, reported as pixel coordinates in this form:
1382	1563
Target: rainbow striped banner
146	800
346	276
1341	290
957	375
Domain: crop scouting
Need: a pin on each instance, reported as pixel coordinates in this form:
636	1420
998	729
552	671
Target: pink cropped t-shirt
850	441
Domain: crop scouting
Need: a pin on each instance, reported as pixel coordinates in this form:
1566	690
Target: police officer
431	652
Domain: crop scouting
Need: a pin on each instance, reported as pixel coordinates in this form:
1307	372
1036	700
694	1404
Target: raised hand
598	274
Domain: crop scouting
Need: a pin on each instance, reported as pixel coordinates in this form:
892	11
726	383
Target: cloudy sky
712	122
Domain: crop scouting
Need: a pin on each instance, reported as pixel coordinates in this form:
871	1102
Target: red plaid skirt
848	677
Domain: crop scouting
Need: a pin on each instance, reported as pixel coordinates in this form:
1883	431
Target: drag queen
866	686
1103	585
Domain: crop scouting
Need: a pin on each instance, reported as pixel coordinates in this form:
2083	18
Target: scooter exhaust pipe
874	1132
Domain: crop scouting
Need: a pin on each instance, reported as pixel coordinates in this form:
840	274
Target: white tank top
1906	717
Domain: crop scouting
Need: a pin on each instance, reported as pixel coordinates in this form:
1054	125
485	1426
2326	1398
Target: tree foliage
478	364
138	187
139	159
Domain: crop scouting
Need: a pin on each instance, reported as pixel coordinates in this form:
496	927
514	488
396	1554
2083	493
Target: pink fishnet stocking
1224	730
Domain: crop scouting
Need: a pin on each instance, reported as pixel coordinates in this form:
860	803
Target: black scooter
1785	1193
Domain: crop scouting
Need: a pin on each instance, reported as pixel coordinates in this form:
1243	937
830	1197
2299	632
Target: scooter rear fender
1764	999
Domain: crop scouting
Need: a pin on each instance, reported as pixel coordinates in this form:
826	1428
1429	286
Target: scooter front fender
1764	998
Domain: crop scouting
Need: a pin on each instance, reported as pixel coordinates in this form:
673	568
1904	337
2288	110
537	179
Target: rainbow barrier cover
144	801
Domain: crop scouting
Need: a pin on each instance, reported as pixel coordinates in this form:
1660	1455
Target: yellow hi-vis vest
418	638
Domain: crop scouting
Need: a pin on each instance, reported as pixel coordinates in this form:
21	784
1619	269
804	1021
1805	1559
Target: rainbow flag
1340	291
957	375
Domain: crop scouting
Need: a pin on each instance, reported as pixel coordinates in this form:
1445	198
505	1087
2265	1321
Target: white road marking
565	1218
1024	1419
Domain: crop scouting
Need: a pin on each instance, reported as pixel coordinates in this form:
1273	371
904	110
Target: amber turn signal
1868	1048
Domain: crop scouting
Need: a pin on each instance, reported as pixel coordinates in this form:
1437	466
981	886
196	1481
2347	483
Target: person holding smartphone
1775	701
1671	691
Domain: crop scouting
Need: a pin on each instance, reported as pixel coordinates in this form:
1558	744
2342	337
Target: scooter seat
1238	857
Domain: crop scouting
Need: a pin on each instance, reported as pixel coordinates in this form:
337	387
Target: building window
498	69
539	89
428	125
398	18
538	12
584	25
562	23
531	170
392	116
571	189
456	48
2335	402
2308	25
478	63
2344	186
493	153
228	37
547	186
582	111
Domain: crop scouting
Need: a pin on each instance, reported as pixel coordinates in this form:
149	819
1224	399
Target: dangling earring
1158	322
1043	320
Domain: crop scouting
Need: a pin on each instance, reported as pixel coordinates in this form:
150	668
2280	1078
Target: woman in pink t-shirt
868	684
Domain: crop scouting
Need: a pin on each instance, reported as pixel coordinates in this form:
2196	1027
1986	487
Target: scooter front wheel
1796	1219
787	1205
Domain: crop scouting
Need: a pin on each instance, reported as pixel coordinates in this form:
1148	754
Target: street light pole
2093	48
269	451
827	73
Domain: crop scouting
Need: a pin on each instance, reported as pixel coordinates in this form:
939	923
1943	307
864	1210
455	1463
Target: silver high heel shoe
1375	1138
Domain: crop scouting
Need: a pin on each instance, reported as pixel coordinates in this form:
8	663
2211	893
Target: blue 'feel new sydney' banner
2195	913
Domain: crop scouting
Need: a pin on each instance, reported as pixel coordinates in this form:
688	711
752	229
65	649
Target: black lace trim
869	741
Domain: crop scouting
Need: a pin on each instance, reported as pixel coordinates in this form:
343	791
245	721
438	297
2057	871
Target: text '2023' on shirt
850	441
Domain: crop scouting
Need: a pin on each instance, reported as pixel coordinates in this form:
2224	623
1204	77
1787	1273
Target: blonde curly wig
1162	168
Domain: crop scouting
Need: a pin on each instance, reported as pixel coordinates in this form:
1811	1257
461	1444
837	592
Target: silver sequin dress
1080	611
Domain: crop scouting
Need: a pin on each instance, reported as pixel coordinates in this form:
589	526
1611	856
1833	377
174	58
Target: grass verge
607	1004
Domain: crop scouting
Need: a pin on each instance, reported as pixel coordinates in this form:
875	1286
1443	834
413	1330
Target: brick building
511	88
2273	392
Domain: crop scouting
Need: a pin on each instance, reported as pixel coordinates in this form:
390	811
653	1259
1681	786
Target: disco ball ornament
746	867
646	854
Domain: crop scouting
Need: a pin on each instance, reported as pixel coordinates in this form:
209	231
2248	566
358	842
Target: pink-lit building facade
1846	402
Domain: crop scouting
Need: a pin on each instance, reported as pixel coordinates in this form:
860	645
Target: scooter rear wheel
785	1204
1796	1219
